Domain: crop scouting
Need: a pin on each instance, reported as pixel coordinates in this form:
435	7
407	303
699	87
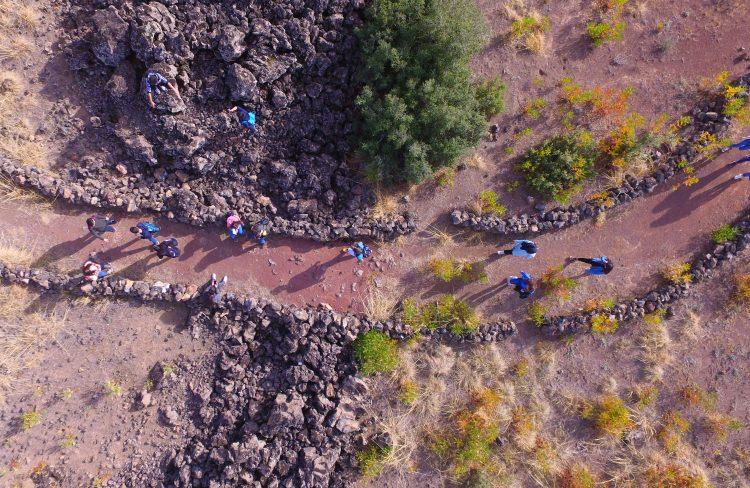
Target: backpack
153	228
366	251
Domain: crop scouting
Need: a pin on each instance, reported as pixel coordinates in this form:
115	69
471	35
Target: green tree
420	108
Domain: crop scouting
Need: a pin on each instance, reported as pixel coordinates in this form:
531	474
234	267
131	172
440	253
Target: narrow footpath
642	237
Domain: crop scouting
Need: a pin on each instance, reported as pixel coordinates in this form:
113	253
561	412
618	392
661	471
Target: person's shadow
309	277
139	269
64	249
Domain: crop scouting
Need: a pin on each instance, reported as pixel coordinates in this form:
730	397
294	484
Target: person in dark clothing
522	248
146	230
599	266
523	284
99	225
246	118
494	130
167	249
212	291
156	84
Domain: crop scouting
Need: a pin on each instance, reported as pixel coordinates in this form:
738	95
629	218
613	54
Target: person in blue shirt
743	145
742	175
246	118
359	250
599	266
146	230
522	248
524	285
156	84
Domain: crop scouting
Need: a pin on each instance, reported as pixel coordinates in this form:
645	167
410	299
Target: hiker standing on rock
523	248
156	84
167	249
246	118
359	250
599	266
146	230
524	285
99	225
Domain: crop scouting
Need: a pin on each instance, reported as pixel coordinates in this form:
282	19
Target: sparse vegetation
30	419
409	392
601	33
604	324
375	352
528	29
674	426
448	311
720	425
420	110
678	273
556	284
610	416
452	270
742	289
725	233
656	317
534	107
112	388
673	476
577	476
536	313
371	460
488	202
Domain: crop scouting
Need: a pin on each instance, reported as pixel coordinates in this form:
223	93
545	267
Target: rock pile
660	298
290	62
706	120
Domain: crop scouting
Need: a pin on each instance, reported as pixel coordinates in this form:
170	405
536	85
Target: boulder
137	146
241	83
231	43
109	41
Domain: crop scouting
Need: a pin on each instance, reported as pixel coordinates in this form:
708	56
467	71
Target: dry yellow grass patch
380	303
385	206
478	162
15	249
14	48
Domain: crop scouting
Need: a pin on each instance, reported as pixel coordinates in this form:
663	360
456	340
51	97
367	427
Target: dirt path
641	238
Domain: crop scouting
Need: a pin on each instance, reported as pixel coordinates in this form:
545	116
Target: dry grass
14	48
654	344
380	303
478	162
385	206
23	151
16	249
18	16
440	237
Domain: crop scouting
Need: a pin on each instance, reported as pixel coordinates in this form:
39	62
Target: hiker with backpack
359	250
522	248
235	227
246	118
599	266
99	225
167	249
260	231
156	84
524	285
146	230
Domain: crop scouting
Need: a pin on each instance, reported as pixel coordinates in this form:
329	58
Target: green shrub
534	107
555	168
611	416
448	311
450	270
30	419
725	233
603	32
604	324
487	202
375	352
371	460
419	108
557	284
536	313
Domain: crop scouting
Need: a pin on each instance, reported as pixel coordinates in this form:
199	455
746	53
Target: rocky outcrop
706	120
661	297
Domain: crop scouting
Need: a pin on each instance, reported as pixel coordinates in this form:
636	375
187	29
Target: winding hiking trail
669	225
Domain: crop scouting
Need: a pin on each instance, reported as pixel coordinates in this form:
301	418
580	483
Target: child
246	118
523	285
235	227
146	230
98	225
599	266
359	250
260	231
167	249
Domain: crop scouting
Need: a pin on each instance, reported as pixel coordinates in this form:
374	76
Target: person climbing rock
523	248
494	130
741	176
95	269
246	118
99	225
599	266
156	84
235	227
212	291
359	250
167	249
146	230
260	231
524	285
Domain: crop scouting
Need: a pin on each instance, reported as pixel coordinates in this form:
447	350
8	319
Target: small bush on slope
375	352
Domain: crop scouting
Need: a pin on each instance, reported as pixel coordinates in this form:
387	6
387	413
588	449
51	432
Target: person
94	269
741	175
743	145
522	248
156	84
235	227
146	230
524	285
599	266
99	225
359	250
212	290
494	130
167	249
246	118
260	232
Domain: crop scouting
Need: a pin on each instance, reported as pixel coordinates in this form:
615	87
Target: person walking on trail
246	118
235	227
94	269
156	84
523	248
599	266
359	250
523	284
167	249
743	145
494	130
146	230
260	231
99	225
212	290
741	176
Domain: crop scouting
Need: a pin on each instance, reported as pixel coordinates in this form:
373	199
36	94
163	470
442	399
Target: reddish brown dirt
105	341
